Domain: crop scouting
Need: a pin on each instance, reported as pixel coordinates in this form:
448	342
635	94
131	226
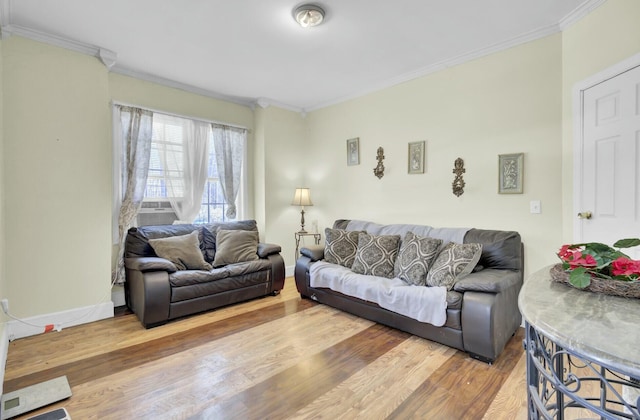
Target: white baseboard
65	319
4	350
289	270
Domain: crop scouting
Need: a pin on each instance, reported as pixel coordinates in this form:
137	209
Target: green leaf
580	278
597	248
627	243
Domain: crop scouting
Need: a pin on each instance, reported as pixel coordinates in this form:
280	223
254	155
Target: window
166	179
213	204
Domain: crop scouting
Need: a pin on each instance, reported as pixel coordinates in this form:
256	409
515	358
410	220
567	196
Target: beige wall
282	137
3	289
602	39
508	102
57	148
151	95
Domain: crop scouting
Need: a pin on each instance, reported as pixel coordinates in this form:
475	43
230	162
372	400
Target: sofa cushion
210	231
234	246
376	255
182	250
454	262
415	256
340	246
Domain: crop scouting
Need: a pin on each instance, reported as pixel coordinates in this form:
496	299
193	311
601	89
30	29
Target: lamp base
302	222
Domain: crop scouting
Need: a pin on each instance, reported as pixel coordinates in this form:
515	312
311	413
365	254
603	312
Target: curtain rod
159	111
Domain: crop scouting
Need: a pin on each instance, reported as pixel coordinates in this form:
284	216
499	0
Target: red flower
579	260
625	267
565	253
574	257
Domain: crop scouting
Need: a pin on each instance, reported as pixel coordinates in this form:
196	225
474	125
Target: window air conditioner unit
156	213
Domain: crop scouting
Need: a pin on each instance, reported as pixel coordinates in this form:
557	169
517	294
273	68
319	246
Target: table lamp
302	198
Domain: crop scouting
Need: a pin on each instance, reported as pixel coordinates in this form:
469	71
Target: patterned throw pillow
340	246
452	263
415	257
376	255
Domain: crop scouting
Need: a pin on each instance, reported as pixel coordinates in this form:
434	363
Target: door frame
578	133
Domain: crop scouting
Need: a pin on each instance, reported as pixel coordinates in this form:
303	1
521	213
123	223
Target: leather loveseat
158	290
481	309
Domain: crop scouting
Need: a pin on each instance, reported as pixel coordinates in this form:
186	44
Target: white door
610	174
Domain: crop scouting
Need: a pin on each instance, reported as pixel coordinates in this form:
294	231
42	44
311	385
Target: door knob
584	215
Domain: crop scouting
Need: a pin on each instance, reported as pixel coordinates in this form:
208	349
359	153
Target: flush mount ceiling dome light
308	15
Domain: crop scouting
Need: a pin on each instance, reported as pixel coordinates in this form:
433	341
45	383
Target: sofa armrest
264	250
301	275
489	280
490	319
149	296
150	264
277	271
313	252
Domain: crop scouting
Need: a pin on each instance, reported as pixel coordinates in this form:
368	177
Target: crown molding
579	12
450	62
5	12
249	102
266	102
107	57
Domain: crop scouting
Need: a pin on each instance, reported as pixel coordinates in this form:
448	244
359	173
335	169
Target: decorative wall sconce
379	170
458	182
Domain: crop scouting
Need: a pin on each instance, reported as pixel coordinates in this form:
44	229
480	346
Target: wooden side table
300	235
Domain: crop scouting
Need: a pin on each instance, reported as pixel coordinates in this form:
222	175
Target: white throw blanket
446	234
425	304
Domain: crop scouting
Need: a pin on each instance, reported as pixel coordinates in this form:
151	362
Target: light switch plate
534	207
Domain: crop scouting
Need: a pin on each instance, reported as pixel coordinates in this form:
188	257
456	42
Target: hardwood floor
277	357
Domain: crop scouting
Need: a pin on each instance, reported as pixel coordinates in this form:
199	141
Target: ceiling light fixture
308	15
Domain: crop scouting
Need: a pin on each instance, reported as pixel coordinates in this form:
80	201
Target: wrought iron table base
558	380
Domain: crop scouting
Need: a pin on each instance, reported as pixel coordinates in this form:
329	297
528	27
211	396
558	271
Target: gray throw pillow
234	246
183	251
376	255
340	246
416	255
453	263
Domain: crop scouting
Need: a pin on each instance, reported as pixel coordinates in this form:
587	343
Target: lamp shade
302	197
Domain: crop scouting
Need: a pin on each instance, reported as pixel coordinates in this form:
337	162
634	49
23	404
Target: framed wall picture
510	170
416	157
353	151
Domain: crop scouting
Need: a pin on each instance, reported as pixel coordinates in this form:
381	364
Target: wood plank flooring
273	358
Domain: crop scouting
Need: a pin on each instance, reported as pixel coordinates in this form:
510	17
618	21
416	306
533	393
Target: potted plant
590	264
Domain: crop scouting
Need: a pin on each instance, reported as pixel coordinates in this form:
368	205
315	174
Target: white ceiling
253	51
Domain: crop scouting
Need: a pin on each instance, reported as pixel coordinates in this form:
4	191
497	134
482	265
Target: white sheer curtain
229	144
135	131
184	152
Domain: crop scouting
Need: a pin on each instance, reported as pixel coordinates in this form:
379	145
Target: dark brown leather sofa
157	292
482	308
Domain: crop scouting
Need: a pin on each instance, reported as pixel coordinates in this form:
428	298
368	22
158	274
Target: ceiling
252	51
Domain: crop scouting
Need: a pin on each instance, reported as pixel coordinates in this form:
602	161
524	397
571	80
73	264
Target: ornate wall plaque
458	181
379	170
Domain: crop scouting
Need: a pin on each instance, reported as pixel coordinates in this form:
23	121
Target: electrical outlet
5	305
